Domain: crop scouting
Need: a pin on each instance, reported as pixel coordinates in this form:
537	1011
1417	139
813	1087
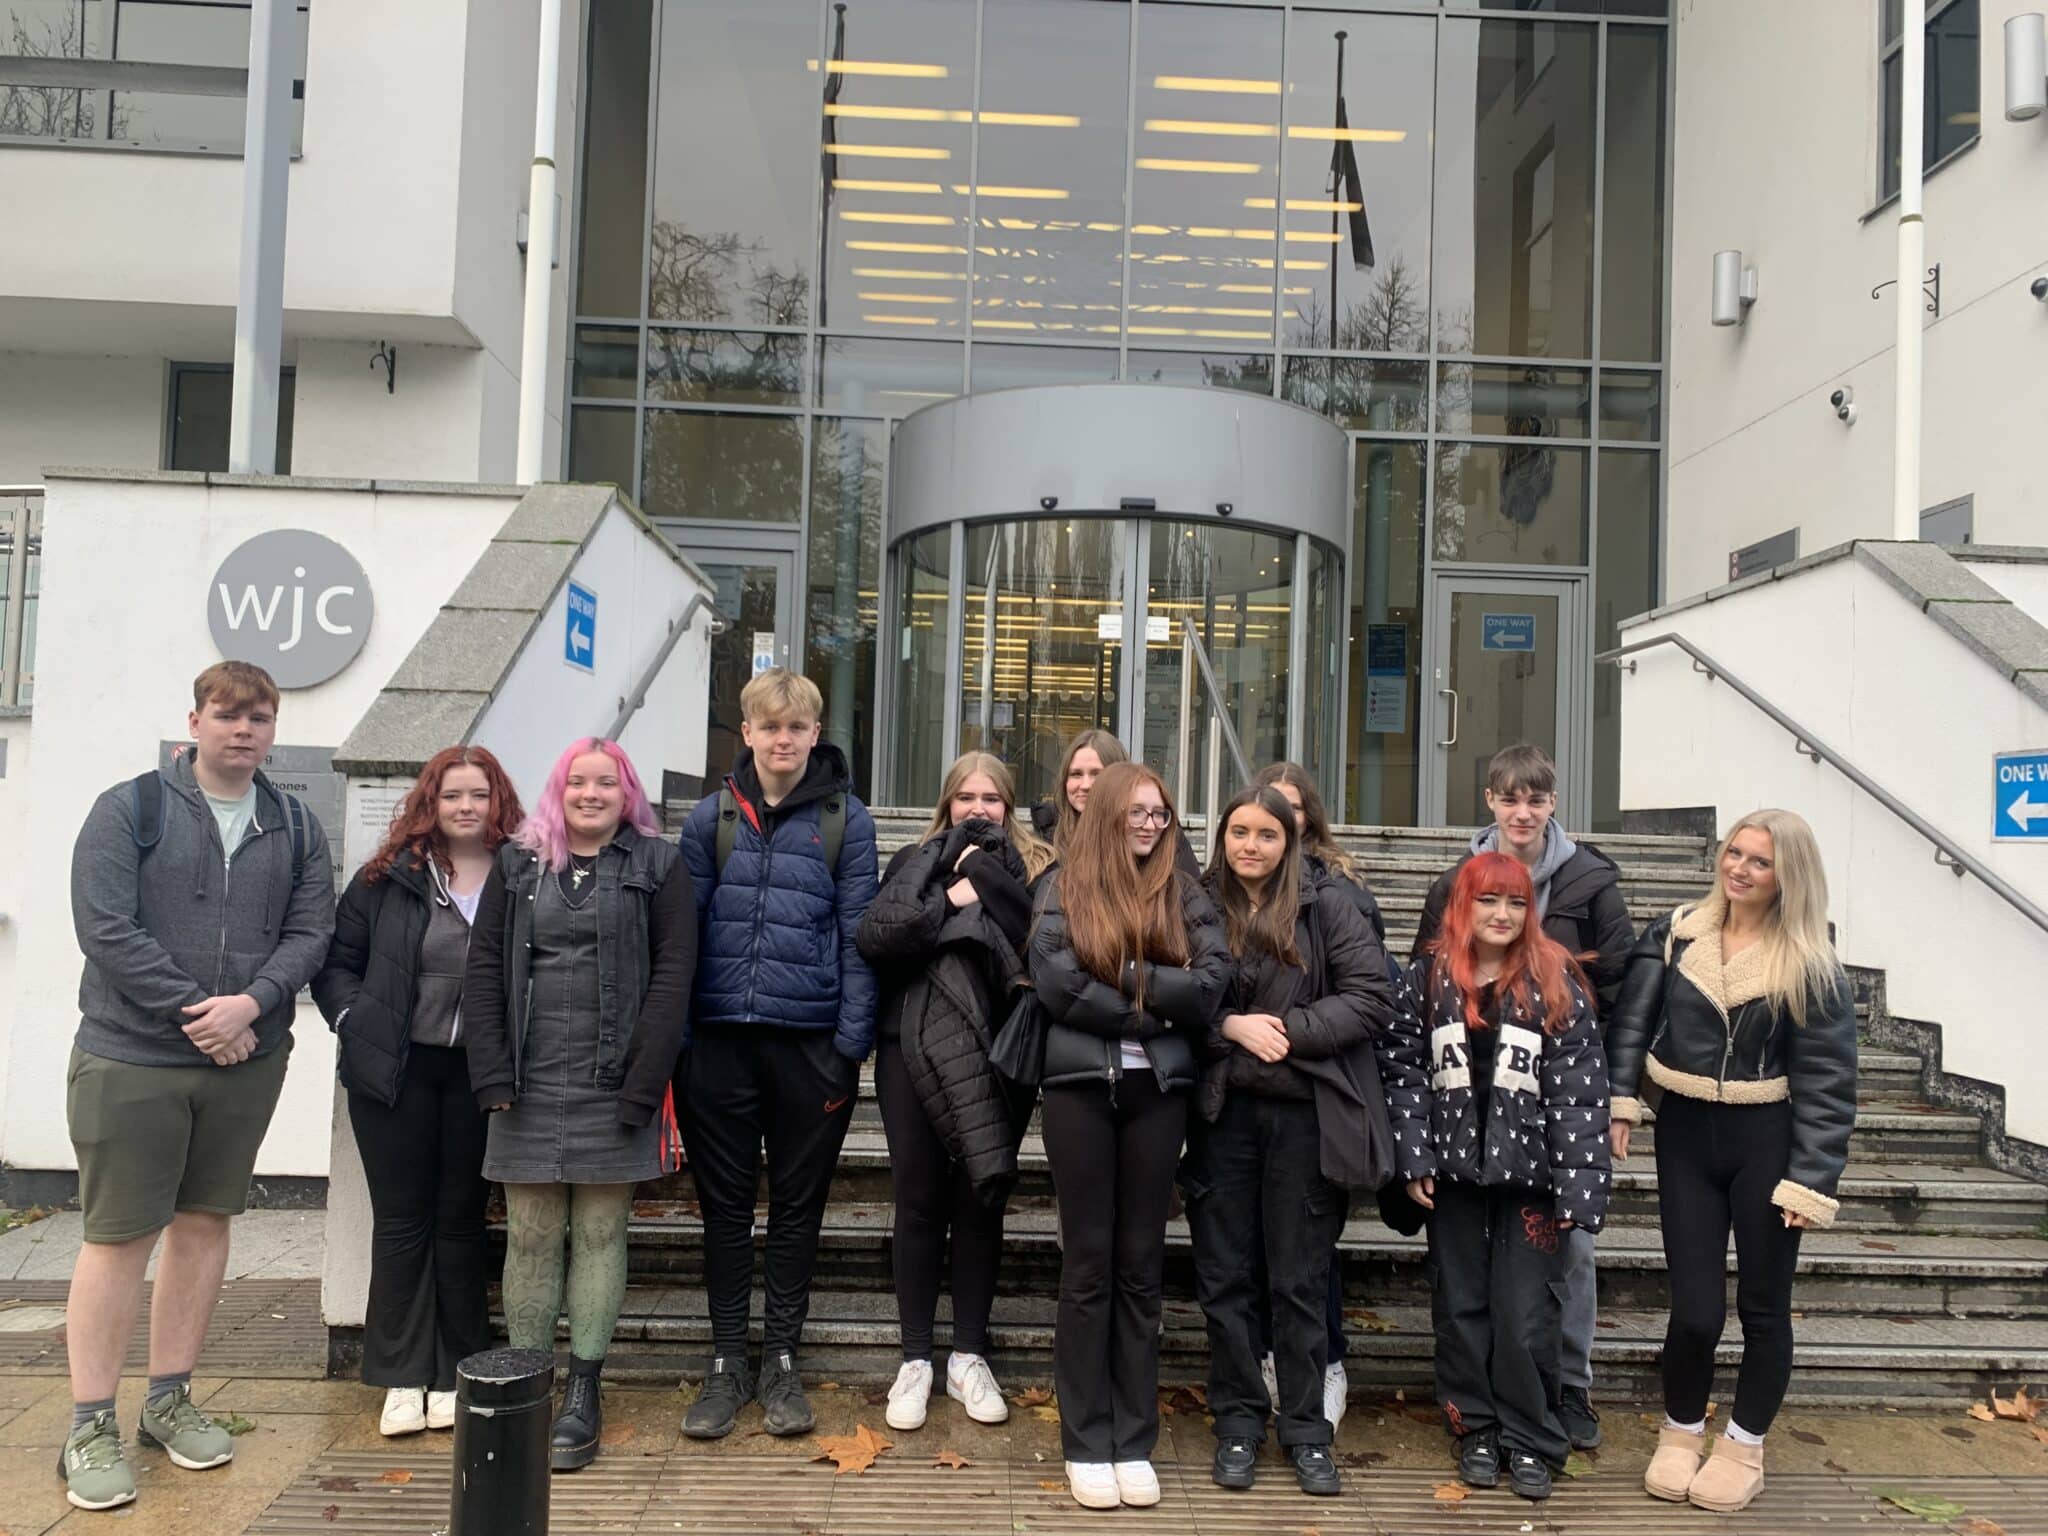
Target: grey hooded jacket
182	923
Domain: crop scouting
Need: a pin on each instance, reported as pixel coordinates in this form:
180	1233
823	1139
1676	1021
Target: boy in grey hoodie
203	899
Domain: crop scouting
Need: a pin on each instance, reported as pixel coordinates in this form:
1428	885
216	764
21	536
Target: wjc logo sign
295	603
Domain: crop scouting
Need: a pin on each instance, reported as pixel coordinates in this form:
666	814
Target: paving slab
262	1245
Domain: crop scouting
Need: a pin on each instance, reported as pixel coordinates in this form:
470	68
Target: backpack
831	828
147	793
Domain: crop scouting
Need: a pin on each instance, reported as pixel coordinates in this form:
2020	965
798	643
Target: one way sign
2019	797
579	639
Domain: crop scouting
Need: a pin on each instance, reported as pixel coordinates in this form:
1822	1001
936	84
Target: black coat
367	987
1585	912
1694	1026
948	976
1361	897
1087	1018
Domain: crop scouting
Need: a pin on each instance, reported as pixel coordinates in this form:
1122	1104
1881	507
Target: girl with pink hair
576	996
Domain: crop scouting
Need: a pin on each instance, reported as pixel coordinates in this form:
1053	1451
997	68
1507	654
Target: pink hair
546	832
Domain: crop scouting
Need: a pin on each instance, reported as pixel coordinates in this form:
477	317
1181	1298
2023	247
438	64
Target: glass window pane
1894	18
51	29
1632	227
1007	367
1358	182
607	361
899	96
1624	584
1509	504
202	402
1050	217
844	571
732	228
1953	118
614	207
1631	406
1208	162
169	33
1513	263
1513	399
1320	753
922	645
1250	372
702	464
726	367
1383	712
885	378
601	446
1369	394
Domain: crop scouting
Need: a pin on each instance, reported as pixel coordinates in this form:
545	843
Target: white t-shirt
234	817
1134	1056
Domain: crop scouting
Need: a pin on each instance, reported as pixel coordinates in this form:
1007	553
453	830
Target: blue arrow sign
2019	797
579	637
1507	632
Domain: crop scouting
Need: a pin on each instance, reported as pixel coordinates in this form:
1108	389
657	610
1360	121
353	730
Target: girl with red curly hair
1497	1088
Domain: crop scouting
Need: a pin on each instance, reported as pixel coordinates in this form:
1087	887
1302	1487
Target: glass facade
1441	225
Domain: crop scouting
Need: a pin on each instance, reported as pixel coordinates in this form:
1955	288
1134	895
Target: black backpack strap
832	831
147	792
296	815
728	825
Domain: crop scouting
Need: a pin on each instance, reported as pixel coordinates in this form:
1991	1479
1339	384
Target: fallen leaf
331	1513
235	1424
1835	1466
1935	1511
1049	1412
951	1459
398	1475
1979	1411
1031	1397
2038	1433
337	1485
1977	1525
1357	1459
1311	1530
1451	1493
1806	1437
1871	1242
618	1434
2019	1406
828	1386
1367	1320
1184	1399
1049	1486
852	1453
1578	1465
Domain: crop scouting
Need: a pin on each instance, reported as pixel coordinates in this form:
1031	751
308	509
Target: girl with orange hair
1497	1087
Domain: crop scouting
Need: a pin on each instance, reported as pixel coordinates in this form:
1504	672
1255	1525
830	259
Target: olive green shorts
153	1141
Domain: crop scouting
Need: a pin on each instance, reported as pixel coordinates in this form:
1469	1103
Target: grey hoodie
1557	852
182	924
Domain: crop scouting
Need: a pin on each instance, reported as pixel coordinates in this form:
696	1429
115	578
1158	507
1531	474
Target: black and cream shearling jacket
1546	1122
1693	1025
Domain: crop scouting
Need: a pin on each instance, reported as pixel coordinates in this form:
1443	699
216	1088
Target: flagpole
1336	197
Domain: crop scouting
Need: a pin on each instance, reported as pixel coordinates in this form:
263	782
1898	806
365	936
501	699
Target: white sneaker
1136	1483
1271	1376
440	1410
1093	1484
405	1411
970	1383
1336	1392
907	1399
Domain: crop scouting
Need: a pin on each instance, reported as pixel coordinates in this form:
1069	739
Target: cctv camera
1224	509
1840	398
1844	402
1047	503
2040	289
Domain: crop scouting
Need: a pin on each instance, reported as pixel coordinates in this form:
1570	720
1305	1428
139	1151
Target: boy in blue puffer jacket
783	1013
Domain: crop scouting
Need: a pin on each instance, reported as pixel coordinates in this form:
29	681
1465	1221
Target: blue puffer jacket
776	941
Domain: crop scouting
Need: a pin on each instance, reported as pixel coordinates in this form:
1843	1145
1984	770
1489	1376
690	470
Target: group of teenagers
564	1002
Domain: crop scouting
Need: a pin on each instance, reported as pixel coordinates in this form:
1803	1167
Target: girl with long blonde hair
1737	1008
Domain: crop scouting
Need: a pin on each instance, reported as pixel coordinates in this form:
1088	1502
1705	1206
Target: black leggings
1716	1167
933	1195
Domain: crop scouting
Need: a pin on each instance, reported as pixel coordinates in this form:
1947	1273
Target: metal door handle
1452	694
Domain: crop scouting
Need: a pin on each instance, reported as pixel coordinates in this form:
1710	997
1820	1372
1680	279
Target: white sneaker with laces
909	1396
1136	1483
405	1411
1270	1374
1336	1392
440	1410
1093	1484
970	1383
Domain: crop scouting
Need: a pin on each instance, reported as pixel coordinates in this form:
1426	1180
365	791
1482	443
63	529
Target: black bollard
504	1402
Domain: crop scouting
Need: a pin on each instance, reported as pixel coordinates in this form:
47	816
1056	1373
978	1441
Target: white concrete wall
2025	585
1921	713
1776	151
348	424
67	409
15	733
110	685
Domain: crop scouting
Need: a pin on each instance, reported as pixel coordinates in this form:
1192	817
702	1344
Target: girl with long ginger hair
579	986
1129	959
392	992
1497	1087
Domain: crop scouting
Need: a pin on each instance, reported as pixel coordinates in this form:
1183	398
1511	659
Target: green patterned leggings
592	1217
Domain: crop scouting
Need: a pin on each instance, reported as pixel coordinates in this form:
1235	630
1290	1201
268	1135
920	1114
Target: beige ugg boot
1671	1470
1733	1476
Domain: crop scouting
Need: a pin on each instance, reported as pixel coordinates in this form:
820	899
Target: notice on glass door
1386	678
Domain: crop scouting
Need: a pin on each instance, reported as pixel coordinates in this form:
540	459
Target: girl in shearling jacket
1497	1087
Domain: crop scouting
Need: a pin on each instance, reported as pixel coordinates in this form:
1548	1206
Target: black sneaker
1236	1464
1314	1470
578	1427
1581	1423
724	1393
784	1408
1479	1460
1528	1475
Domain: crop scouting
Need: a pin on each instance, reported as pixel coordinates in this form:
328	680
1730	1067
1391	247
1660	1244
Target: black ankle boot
579	1425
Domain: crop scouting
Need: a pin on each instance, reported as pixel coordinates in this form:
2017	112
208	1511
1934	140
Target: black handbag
1018	1052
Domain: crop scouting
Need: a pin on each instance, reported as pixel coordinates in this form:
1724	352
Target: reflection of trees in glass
700	464
741	366
842	586
1392	317
698	276
52	111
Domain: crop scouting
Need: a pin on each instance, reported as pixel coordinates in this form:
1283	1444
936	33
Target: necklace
580	869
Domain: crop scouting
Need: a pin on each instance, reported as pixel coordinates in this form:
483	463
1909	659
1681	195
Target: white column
1912	274
259	295
540	250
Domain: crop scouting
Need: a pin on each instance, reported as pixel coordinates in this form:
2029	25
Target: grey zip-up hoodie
181	924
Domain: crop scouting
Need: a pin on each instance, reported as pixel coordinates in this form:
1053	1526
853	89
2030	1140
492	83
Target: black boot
784	1408
581	1422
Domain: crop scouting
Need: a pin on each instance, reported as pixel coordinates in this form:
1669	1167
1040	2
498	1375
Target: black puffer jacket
1546	1120
372	976
1585	912
1088	1019
1695	1026
1360	895
1334	1004
947	978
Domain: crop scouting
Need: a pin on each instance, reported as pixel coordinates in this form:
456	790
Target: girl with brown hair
1081	765
1129	959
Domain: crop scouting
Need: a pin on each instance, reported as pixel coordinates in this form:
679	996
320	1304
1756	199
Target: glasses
1138	817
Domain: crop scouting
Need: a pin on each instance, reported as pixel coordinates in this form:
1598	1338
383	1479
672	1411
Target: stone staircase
1932	1284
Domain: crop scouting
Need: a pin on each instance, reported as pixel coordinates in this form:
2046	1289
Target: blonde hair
783	693
1036	853
1798	957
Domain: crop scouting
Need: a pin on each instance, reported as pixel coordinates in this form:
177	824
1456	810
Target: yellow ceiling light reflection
880	67
898	320
883	114
1005	325
910	298
1194	309
1180	330
853	184
1265	288
1107	229
1352	135
1219	84
1314	237
1306	205
906	247
1292	264
1030	119
915	274
1047	194
890	151
1204	167
859	216
1226	130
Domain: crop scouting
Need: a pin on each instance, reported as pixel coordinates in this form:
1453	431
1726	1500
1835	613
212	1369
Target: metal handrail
1946	852
630	705
24	526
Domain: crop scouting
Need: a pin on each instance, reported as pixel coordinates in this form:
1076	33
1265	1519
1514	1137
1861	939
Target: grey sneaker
96	1475
191	1439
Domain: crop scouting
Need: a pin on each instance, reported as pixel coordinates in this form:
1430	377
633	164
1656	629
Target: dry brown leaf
2029	1407
1049	1486
618	1434
951	1459
1049	1412
331	1513
2039	1432
1978	1525
1031	1397
1451	1493
828	1386
852	1453
398	1475
2019	1406
1979	1411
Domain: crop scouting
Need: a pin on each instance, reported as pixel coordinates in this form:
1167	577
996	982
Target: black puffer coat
948	976
1088	1019
1361	897
1698	1027
372	976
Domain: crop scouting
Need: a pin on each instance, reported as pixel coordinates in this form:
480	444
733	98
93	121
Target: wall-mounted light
1734	288
2026	67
